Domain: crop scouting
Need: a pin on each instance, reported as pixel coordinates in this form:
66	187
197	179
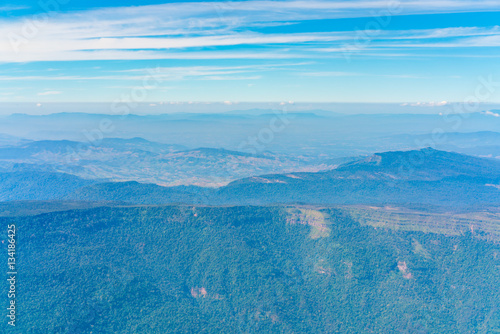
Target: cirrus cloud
51	92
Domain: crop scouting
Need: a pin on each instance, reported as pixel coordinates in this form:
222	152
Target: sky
421	53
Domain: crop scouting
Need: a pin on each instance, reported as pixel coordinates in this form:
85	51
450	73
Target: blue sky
415	52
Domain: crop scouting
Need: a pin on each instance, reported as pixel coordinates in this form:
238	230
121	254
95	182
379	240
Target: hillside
134	192
247	269
33	208
34	185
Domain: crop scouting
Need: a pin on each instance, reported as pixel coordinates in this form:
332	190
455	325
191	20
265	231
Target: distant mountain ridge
137	159
336	135
424	164
392	177
262	112
425	176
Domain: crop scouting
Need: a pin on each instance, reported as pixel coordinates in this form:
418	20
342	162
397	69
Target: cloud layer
200	30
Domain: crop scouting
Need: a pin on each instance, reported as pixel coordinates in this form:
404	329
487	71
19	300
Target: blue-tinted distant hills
137	159
273	112
32	149
335	135
481	143
425	164
424	176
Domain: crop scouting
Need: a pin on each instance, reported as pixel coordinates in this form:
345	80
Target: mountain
186	269
424	164
424	176
64	148
336	136
31	149
35	185
480	143
134	192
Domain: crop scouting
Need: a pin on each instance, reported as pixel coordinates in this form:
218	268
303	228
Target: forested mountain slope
247	269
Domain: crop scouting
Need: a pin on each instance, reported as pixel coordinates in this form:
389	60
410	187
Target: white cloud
247	72
331	74
219	78
355	74
169	30
491	113
12	8
428	104
49	93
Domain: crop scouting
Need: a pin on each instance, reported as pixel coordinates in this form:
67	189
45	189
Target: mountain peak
426	163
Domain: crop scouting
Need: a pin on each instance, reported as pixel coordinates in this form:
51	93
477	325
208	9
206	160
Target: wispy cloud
246	72
358	74
219	78
175	29
256	42
426	104
330	74
49	93
8	8
491	113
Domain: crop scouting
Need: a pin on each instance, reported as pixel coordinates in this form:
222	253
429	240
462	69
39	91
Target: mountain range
136	159
424	176
335	135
